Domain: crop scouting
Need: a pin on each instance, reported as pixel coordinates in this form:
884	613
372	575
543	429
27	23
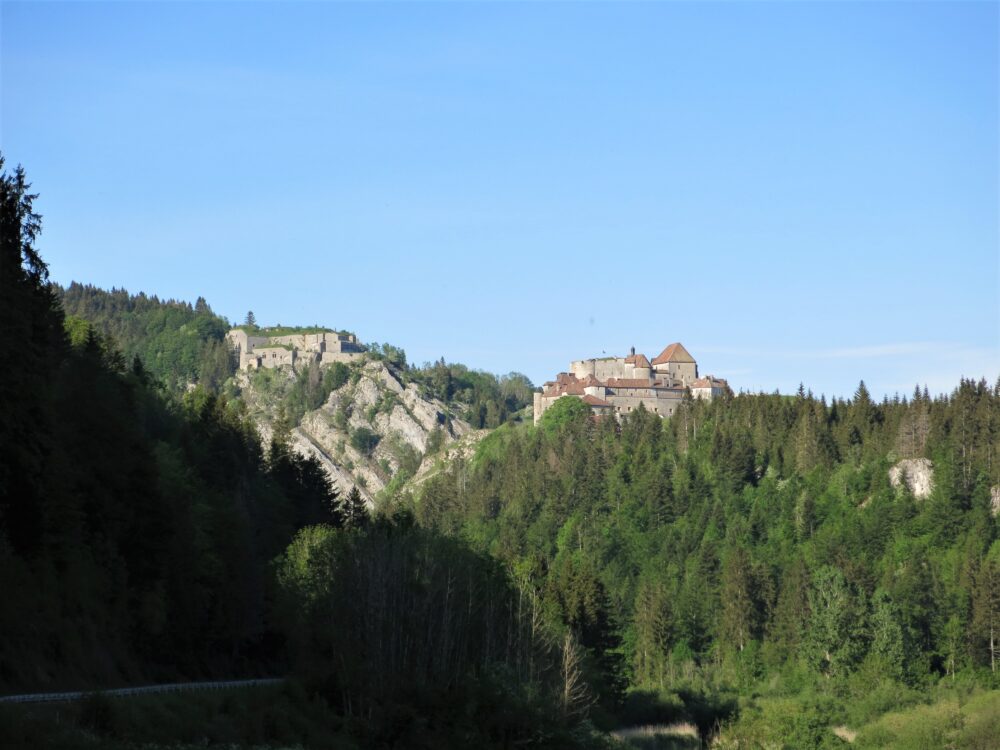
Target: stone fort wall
277	351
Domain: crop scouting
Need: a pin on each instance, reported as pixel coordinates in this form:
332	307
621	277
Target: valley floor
273	717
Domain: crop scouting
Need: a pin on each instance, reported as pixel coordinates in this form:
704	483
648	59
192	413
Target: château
617	385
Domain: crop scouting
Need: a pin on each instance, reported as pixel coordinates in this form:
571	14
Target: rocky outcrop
374	399
462	449
917	474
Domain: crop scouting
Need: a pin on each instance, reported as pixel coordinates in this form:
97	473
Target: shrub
364	441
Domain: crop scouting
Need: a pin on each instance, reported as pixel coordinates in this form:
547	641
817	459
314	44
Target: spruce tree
355	510
31	320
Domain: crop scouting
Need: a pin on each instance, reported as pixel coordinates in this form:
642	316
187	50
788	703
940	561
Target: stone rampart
275	351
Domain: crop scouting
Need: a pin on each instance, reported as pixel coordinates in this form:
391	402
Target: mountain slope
371	428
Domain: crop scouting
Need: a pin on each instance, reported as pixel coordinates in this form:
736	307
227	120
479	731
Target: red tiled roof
639	360
560	389
674	353
710	382
595	401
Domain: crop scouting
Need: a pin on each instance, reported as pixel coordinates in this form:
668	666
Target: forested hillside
752	552
146	536
370	423
135	528
178	343
183	344
749	566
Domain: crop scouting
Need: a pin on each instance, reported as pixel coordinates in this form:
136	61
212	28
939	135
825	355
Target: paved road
172	688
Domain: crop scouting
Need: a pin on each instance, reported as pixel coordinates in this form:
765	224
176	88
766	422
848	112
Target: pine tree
251	320
355	510
31	320
653	632
986	607
738	595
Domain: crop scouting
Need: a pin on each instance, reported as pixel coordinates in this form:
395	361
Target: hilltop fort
617	385
264	347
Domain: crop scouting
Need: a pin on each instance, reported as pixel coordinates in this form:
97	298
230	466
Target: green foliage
732	546
394	621
364	440
356	513
751	545
563	412
488	401
301	391
312	387
955	720
336	376
135	526
178	343
254	330
391	355
837	623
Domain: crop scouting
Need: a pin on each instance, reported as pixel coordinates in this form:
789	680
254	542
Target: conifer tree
31	320
739	599
986	607
355	510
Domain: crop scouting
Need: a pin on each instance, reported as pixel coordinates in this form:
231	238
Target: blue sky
796	191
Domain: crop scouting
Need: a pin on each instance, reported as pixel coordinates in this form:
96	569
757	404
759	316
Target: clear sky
796	191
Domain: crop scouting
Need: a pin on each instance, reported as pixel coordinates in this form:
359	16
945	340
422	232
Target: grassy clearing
967	722
283	330
953	718
680	736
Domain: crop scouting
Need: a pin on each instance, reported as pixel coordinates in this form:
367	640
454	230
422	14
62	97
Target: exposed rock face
374	399
995	500
462	449
916	473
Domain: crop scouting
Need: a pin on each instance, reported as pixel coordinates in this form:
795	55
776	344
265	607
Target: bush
364	441
336	376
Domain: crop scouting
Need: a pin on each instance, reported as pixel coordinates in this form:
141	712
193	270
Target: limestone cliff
371	430
916	473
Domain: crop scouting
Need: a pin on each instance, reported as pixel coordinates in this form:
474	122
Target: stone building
618	385
274	351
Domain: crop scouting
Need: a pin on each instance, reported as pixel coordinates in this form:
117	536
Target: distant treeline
178	343
182	344
489	400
